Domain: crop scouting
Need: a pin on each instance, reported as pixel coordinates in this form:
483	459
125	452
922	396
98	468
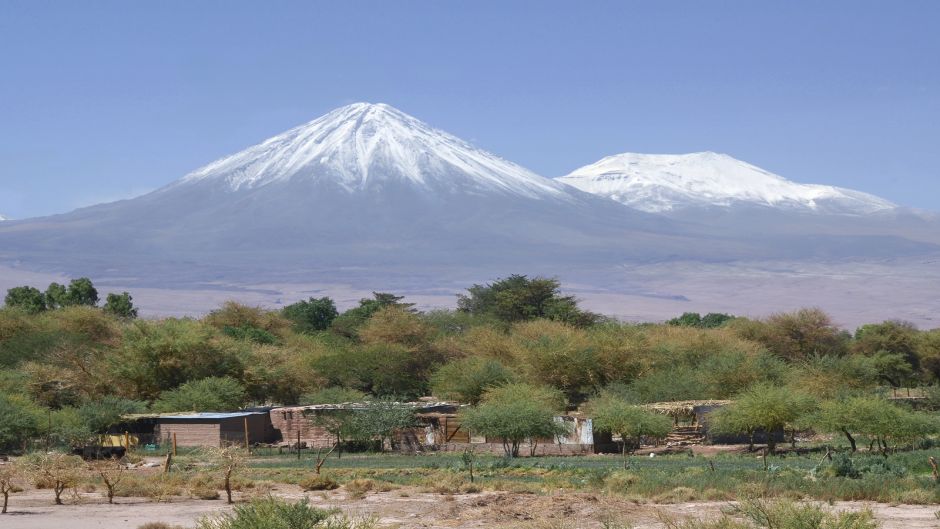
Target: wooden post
127	441
246	435
174	443
298	444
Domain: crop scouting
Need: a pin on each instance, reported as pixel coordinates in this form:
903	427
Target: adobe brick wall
189	433
287	422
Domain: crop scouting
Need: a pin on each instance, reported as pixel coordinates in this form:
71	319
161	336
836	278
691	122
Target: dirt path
411	509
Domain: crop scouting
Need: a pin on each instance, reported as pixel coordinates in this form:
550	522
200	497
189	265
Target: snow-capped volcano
364	185
367	197
666	182
367	146
3	218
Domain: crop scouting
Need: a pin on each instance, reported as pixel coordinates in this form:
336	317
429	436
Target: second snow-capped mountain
674	182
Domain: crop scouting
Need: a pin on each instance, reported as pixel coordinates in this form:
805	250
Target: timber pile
685	435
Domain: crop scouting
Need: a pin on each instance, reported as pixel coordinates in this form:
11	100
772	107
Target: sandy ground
408	508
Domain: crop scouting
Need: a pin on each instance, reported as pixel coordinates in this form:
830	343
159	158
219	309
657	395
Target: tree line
69	368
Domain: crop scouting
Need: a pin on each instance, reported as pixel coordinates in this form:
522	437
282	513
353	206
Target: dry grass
358	488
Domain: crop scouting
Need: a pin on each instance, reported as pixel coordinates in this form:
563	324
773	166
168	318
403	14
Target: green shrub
792	515
268	513
841	466
251	334
207	394
18	421
333	395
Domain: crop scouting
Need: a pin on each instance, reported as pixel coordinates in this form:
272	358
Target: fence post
298	444
247	447
127	441
174	443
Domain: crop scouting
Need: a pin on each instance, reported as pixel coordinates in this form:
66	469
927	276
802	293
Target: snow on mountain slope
2	218
367	146
363	185
667	182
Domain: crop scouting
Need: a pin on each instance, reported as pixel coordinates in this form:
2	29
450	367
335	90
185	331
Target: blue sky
102	100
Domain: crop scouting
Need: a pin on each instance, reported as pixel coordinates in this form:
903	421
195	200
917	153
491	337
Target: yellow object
119	440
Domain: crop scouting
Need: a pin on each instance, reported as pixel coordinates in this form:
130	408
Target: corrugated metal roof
194	416
370	404
210	415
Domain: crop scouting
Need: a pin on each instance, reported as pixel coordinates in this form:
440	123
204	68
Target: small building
690	419
438	428
581	439
214	429
196	429
308	425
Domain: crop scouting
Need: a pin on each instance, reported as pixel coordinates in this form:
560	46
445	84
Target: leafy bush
99	414
268	513
631	423
763	407
333	395
841	466
466	380
516	413
251	334
208	394
18	421
313	315
792	515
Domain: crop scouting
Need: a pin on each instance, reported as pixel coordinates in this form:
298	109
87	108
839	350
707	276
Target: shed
307	423
213	429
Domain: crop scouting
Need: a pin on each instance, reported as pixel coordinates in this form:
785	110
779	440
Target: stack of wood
686	435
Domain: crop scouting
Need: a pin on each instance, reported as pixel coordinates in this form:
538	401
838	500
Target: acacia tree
873	417
379	420
466	379
59	471
26	298
56	296
227	461
10	476
120	305
802	334
207	394
856	415
18	421
519	298
631	423
81	291
312	315
766	408
111	472
515	413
